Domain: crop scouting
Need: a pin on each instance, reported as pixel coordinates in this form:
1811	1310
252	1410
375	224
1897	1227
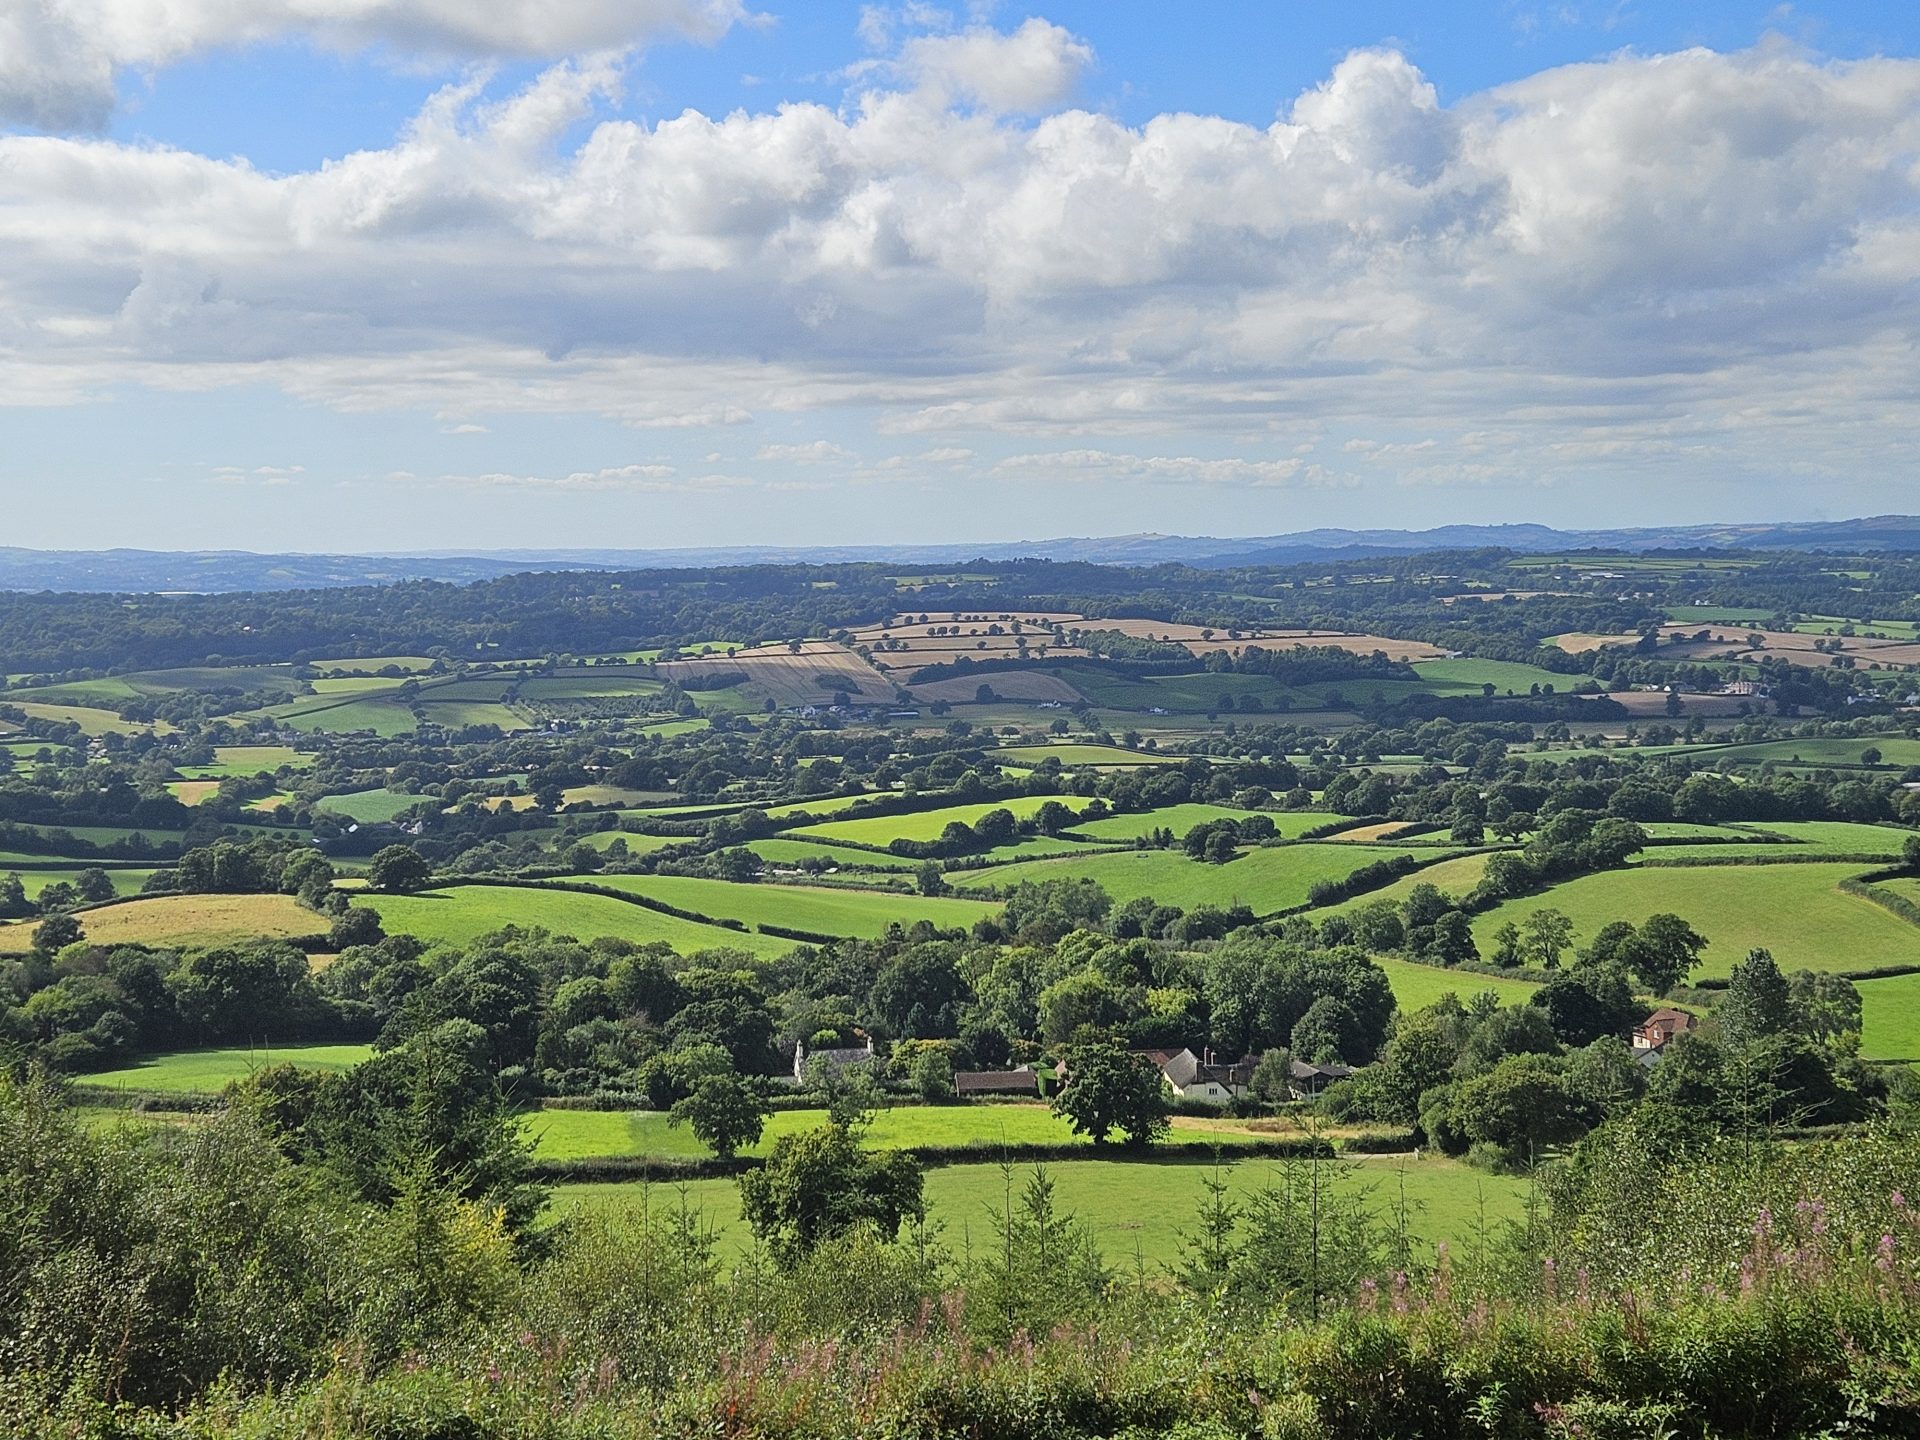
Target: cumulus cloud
59	58
1030	70
655	479
1635	262
813	452
1100	465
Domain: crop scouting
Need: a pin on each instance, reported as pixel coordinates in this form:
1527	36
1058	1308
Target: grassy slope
1266	878
1182	818
799	907
208	1071
1794	910
190	920
370	806
1417	986
463	914
927	824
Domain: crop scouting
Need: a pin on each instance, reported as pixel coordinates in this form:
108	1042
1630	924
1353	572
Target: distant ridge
221	571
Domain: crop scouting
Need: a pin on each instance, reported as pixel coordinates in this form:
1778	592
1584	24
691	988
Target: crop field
343	714
193	792
1795	910
1139	1210
91	720
184	920
1417	986
927	824
357	684
1182	818
1266	878
206	1072
1194	694
1077	754
371	807
245	760
590	684
792	679
462	914
798	907
1032	686
455	714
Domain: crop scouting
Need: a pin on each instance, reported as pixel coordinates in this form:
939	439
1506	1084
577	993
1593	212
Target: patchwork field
1795	910
462	914
184	920
790	678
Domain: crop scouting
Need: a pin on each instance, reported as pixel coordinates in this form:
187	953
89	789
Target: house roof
1667	1018
987	1082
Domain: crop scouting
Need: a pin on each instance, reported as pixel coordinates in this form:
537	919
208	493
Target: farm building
1312	1079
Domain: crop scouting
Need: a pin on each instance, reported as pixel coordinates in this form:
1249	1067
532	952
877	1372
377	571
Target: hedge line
581	887
1686	862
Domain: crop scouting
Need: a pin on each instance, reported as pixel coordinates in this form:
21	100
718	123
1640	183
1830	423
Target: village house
1201	1077
841	1059
1654	1033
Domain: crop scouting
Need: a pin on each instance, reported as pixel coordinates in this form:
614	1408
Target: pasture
1181	818
1795	910
1417	986
125	882
207	1072
371	807
926	824
461	914
1070	754
799	907
1265	878
245	760
189	921
1890	1018
1139	1210
781	850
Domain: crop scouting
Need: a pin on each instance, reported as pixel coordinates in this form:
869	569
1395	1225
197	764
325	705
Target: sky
409	275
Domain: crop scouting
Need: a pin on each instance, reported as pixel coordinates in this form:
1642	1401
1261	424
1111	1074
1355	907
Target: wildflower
1883	1254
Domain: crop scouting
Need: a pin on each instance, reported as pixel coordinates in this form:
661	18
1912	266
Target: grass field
460	915
341	714
591	1134
193	792
370	807
247	760
1138	1209
1470	676
1890	1018
125	882
209	1071
1453	877
1182	818
927	824
1079	754
636	844
1265	878
91	719
1795	910
781	851
1896	752
1417	986
799	907
185	920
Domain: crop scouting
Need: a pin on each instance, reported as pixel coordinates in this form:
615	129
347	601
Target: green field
1138	1210
798	907
1076	754
185	920
1267	878
1890	1018
208	1071
125	882
636	844
339	715
927	824
91	720
1416	986
1795	910
779	850
1182	818
461	915
247	760
371	807
1896	751
1468	676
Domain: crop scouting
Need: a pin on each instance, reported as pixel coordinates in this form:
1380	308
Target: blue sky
373	274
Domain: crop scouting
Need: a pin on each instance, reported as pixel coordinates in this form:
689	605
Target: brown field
191	920
193	792
1007	684
1729	642
1643	704
789	678
1385	830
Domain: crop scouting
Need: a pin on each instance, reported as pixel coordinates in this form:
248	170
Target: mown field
926	825
187	920
1416	986
1890	1018
1795	910
1081	754
229	760
462	914
209	1071
1138	1209
1266	878
370	807
125	882
799	907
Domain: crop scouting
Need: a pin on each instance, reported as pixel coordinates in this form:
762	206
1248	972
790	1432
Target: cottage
842	1059
1023	1081
1201	1077
1659	1028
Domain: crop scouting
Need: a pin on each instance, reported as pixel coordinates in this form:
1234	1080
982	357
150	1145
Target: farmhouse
1312	1079
842	1059
1659	1028
1195	1077
1023	1081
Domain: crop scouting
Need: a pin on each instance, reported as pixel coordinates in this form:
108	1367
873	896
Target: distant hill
217	571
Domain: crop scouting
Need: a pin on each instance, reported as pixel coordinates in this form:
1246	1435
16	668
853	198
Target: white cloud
59	58
1030	70
1102	465
813	452
656	479
1650	263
